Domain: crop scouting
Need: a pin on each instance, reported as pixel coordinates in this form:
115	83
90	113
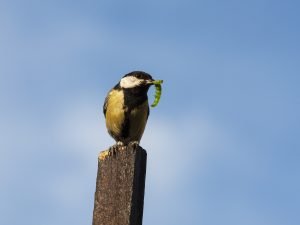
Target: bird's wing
105	106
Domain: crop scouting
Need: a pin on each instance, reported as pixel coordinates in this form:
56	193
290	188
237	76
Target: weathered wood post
119	197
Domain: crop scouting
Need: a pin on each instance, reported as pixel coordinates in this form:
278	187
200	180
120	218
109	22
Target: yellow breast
115	112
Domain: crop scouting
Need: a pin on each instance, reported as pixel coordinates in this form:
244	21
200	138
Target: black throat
134	97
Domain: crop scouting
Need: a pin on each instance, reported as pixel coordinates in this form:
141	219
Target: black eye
139	76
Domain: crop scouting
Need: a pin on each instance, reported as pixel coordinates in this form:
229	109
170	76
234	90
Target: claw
134	144
120	143
112	151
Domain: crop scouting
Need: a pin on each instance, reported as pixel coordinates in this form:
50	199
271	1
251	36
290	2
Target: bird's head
137	80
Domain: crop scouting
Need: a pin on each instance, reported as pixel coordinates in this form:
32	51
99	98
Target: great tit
126	108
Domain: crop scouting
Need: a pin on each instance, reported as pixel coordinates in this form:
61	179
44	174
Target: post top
120	149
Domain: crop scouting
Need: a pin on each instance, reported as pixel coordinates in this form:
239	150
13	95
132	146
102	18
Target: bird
126	108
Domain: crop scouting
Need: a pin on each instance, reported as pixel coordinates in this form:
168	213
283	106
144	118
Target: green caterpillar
157	84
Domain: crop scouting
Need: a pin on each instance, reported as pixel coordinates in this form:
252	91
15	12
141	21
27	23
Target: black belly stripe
126	126
132	99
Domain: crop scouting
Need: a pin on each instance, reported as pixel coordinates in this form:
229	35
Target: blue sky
223	144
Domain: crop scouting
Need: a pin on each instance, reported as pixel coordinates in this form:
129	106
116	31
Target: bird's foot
112	151
133	144
115	148
121	145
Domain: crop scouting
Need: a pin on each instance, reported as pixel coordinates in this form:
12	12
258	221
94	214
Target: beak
155	82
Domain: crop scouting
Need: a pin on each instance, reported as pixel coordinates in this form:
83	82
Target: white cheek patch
130	82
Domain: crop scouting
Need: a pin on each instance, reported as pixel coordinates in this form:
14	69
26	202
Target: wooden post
119	197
